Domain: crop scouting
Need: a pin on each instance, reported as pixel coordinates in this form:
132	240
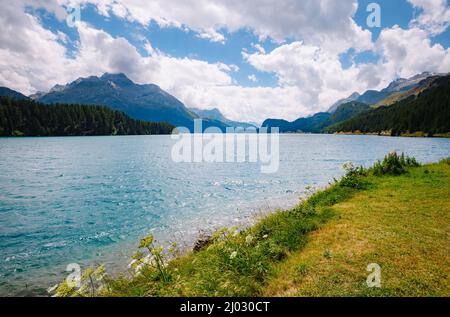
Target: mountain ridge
397	91
396	87
427	113
142	102
216	114
7	92
319	121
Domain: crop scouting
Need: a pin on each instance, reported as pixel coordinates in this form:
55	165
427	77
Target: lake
90	199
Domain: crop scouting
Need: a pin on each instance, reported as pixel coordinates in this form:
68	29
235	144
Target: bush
353	176
394	164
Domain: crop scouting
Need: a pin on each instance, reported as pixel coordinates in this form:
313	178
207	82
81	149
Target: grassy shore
395	214
401	223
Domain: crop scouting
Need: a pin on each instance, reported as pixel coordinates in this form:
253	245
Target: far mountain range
149	102
143	102
401	91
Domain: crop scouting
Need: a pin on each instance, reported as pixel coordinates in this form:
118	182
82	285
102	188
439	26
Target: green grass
320	248
401	223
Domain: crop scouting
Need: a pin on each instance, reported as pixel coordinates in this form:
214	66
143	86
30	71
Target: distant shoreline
418	134
403	135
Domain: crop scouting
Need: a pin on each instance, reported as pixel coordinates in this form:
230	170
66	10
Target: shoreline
271	241
403	135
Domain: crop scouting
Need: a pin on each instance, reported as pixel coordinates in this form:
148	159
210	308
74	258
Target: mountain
25	117
216	115
6	92
318	122
346	111
143	102
397	90
373	97
311	124
403	94
352	97
357	105
427	112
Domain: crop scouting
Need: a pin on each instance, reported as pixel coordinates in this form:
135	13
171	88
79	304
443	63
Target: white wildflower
248	239
265	236
233	255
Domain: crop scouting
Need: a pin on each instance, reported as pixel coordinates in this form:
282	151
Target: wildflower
138	255
157	251
248	239
265	236
233	255
146	242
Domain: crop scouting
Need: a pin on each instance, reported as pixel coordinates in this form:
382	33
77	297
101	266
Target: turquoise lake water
90	199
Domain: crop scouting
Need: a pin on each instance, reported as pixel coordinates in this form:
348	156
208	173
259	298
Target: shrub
353	176
394	164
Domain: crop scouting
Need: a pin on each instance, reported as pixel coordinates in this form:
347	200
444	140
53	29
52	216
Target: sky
252	59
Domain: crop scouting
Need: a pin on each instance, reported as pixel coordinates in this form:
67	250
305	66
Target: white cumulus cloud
435	15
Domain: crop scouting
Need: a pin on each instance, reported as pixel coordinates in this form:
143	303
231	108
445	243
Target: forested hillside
29	118
429	113
318	122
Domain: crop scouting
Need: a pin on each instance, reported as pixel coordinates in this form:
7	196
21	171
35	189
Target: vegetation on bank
25	117
404	206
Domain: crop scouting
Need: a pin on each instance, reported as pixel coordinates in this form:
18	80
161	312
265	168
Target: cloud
32	57
29	54
408	52
253	104
327	23
212	35
317	72
252	78
435	15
